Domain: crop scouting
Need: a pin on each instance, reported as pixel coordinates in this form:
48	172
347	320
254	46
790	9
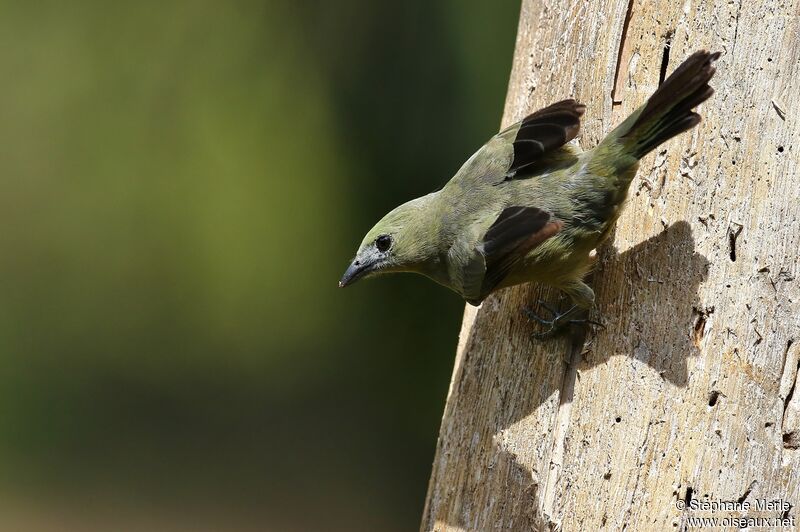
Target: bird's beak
358	269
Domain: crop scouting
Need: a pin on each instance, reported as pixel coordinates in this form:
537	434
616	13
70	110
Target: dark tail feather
668	112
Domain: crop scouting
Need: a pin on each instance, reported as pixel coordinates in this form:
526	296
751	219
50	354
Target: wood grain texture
689	391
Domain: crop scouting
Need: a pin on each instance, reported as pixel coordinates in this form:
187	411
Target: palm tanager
530	205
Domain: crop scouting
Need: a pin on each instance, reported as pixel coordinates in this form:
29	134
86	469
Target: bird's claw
555	324
559	321
593	322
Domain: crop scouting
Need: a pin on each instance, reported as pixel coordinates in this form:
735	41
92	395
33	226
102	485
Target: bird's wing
514	152
515	232
544	131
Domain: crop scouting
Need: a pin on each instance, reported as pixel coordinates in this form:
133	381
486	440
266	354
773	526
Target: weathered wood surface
690	390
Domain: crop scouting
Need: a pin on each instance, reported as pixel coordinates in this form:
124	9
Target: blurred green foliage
182	185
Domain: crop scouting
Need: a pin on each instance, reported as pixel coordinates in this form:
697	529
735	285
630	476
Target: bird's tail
668	112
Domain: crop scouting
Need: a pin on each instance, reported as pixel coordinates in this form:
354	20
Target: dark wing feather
514	152
544	131
515	232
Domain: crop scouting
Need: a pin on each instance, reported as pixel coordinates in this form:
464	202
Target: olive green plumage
529	205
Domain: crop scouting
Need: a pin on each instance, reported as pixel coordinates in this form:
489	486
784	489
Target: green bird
529	205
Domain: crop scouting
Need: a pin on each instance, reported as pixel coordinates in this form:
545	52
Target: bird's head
401	241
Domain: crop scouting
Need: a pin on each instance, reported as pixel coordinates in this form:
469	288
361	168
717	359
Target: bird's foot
559	322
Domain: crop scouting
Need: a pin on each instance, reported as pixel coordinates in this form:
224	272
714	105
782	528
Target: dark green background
182	184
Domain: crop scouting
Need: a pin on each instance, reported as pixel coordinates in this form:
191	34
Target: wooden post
689	392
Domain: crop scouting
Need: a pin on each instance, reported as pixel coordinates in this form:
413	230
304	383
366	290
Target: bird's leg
558	320
582	298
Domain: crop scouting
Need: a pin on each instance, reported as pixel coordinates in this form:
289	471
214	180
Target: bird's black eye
383	243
